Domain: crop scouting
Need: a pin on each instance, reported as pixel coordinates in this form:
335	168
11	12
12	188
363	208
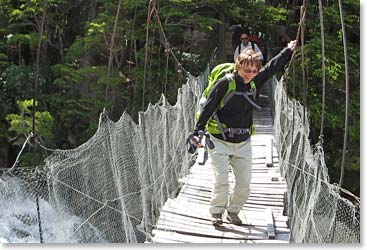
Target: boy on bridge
230	131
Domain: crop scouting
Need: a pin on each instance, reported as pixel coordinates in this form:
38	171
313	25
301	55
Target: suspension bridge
136	182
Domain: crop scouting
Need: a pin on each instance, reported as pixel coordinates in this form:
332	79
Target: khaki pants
239	156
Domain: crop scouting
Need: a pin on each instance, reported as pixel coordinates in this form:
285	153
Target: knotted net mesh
116	182
122	176
318	214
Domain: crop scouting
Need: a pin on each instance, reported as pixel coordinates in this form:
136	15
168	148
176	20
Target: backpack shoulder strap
253	45
232	92
231	87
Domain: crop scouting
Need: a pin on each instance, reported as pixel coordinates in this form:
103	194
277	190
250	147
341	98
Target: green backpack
214	126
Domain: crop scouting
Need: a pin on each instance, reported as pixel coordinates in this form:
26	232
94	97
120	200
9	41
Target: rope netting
113	185
317	212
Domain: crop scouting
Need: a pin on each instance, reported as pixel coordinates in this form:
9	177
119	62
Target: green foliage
30	39
28	9
66	75
131	4
76	52
335	84
80	99
261	17
3	62
16	82
204	22
18	39
21	123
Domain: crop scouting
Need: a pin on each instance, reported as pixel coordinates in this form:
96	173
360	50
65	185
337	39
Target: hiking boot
234	219
217	219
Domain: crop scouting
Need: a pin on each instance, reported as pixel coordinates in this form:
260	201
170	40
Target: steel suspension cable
291	61
111	52
151	9
166	76
304	83
133	51
321	136
303	14
294	100
150	60
346	93
35	92
167	44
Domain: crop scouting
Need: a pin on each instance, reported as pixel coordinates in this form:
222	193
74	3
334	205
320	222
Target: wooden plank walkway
186	218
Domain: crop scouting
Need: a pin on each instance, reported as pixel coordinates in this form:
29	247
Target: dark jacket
237	113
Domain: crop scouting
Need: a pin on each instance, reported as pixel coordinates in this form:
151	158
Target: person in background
246	43
234	147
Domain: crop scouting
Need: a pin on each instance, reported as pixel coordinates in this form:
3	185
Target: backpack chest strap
245	95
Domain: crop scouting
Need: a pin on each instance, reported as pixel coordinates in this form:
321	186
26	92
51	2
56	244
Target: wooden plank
269	153
255	181
258	170
190	209
175	237
270	223
259	195
252	200
249	218
229	231
267	188
245	207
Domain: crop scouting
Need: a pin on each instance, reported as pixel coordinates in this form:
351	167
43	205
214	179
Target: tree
335	86
21	127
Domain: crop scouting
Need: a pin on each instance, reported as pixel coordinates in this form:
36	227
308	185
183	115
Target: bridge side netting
318	214
121	177
111	188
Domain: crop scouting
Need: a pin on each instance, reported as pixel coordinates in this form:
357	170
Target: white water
19	220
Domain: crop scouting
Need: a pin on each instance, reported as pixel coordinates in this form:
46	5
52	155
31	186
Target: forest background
80	73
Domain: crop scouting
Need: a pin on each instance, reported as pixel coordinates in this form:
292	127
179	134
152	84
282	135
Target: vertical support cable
181	68
133	51
294	100
39	219
149	87
286	73
303	15
151	8
346	93
111	52
321	136
35	90
167	51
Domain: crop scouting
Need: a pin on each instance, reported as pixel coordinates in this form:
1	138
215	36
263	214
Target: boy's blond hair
248	57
